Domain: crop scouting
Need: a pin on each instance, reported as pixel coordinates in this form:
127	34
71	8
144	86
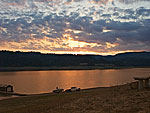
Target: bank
114	99
10	69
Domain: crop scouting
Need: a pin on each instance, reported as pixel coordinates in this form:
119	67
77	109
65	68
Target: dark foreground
118	99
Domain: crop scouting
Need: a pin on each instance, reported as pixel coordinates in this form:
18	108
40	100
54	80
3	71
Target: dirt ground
117	99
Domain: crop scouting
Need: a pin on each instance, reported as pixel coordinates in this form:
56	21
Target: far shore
115	99
9	69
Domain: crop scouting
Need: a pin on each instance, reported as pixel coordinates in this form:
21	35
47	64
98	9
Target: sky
102	27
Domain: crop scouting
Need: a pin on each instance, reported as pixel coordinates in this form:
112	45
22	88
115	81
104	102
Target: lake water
31	82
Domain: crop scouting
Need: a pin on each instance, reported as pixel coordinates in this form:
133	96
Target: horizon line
71	53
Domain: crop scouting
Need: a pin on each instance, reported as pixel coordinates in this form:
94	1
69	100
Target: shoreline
119	98
13	94
11	69
10	95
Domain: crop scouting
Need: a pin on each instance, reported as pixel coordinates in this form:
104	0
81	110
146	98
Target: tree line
36	59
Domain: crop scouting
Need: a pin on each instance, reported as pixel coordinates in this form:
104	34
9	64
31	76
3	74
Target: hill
35	59
134	59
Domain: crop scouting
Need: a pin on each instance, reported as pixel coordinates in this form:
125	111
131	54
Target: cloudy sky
75	26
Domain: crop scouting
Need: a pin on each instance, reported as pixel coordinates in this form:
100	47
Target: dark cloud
112	29
143	11
125	26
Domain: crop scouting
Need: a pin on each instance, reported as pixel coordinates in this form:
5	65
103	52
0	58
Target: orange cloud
50	44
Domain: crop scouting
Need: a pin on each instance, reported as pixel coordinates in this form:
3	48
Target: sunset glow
70	27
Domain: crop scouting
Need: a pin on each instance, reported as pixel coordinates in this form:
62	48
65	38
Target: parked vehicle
73	89
58	90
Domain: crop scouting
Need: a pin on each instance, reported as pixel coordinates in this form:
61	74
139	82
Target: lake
31	82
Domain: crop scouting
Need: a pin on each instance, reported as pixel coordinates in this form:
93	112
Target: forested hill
133	59
35	59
